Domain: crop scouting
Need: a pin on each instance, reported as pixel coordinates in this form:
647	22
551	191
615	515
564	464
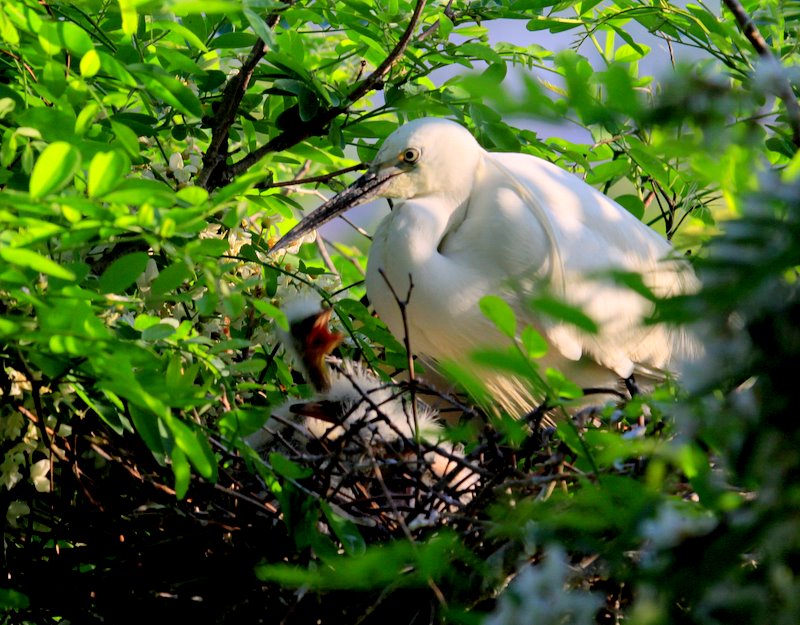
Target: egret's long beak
362	190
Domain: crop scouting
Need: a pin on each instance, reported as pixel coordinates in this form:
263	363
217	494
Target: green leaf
182	31
506	359
471	383
182	472
398	563
273	312
533	342
627	53
562	386
22	257
635	282
346	531
560	311
632	204
90	63
123	272
11	599
170	278
192	195
285	467
158	331
169	89
498	311
195	445
610	170
106	172
234	40
130	20
260	27
54	36
54	168
147	426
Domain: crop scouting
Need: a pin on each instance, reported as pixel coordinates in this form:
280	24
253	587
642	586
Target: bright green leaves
54	169
534	343
106	171
500	313
194	444
286	468
90	64
23	257
259	26
234	40
57	36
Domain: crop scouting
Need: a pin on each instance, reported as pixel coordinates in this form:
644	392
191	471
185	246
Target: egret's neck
421	224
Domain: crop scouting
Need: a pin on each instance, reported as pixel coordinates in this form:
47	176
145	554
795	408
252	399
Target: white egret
466	223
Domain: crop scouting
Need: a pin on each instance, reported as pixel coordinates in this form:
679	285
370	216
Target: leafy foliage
151	152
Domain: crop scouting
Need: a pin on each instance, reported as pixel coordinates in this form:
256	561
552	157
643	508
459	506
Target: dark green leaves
123	272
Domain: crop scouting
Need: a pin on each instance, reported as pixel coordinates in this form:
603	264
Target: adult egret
468	223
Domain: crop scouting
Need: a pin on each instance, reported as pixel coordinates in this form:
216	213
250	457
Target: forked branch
319	123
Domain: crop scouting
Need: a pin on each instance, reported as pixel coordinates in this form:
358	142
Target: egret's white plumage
467	223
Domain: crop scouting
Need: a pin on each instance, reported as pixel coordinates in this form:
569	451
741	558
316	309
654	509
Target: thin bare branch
319	124
217	152
322	178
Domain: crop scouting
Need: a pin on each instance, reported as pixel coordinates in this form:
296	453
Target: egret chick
352	406
467	223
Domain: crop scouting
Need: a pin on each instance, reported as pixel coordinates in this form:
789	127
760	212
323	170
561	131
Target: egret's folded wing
587	235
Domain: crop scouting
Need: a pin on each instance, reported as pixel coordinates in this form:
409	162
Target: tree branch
217	152
311	179
783	87
318	124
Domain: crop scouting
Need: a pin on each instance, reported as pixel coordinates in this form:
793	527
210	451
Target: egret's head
428	156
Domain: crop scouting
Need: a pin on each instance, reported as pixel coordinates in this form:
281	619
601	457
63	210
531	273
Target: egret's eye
411	155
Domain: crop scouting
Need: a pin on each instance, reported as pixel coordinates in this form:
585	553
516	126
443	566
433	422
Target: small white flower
294	248
149	274
176	161
39	471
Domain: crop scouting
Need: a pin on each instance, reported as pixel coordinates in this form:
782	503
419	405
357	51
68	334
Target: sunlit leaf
106	171
54	168
498	311
23	257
